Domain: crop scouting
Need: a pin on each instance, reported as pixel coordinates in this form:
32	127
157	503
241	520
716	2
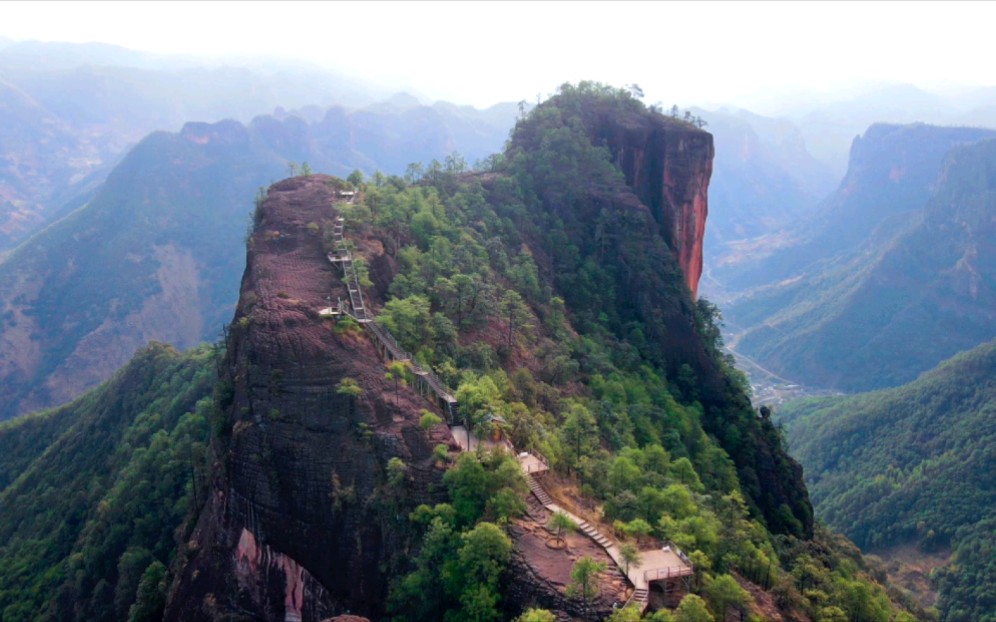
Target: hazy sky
480	53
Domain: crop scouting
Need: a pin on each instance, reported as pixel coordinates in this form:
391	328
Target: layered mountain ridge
158	250
896	275
302	493
911	467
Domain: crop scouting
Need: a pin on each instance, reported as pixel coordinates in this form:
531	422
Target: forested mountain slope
158	251
92	492
902	275
550	298
913	464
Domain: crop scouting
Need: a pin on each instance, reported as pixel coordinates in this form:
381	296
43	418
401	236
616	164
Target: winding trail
656	565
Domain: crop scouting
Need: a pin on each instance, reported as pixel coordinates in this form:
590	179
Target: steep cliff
899	274
668	165
530	290
298	523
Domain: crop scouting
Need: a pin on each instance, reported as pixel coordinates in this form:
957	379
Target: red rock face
288	533
668	165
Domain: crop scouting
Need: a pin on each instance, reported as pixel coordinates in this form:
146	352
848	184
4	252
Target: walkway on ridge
426	382
655	565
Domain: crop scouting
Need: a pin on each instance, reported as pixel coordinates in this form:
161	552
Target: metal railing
389	342
666	573
383	335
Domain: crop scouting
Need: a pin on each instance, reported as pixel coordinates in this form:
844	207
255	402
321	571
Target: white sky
480	53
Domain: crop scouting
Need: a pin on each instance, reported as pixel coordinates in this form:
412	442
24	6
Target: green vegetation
94	491
630	555
536	615
913	464
561	522
561	317
881	290
692	609
459	570
584	580
428	420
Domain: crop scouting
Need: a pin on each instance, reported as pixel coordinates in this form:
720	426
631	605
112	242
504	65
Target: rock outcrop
668	164
299	524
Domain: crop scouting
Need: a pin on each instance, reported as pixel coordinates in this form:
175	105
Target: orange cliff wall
668	165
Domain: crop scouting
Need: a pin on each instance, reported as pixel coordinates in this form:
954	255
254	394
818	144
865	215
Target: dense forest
517	284
539	288
894	272
913	464
92	493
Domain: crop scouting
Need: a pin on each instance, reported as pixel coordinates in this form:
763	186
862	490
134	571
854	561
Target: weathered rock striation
299	522
668	165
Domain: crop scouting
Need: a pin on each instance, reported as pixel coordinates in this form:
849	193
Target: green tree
661	615
441	454
637	528
348	386
424	594
515	313
481	561
625	614
413	172
536	615
305	169
356	178
485	554
408	320
579	435
397	372
429	420
692	609
724	592
150	600
561	522
630	556
469	488
584	580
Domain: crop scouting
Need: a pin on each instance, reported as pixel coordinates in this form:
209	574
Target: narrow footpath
667	563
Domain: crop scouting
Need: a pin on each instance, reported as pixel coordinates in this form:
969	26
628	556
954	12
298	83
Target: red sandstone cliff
298	523
668	164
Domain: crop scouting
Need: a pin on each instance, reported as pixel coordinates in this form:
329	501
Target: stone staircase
390	348
593	533
538	491
640	598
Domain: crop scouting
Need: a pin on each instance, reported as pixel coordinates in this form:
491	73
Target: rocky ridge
668	165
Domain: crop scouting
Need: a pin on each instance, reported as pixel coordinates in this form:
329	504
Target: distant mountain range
913	465
158	251
892	274
763	179
69	112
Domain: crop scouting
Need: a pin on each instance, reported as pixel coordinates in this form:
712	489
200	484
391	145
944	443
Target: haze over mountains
70	111
176	209
892	274
913	466
850	245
